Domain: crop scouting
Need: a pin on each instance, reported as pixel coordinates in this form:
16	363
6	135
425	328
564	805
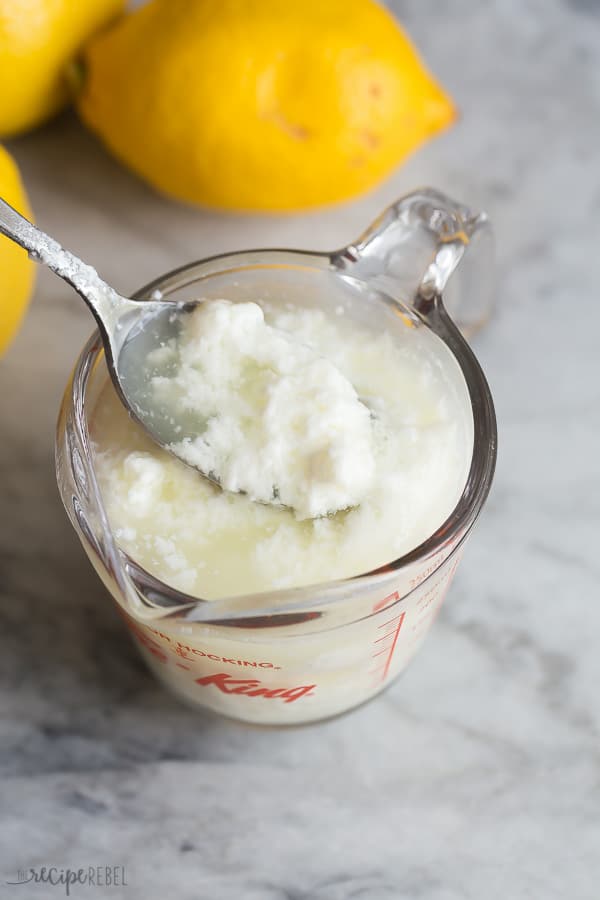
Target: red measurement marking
391	598
391	622
181	666
389	651
385	636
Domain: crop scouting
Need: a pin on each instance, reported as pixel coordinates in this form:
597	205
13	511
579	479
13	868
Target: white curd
343	417
279	421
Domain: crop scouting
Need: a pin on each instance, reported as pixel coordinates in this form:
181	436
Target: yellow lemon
38	38
16	269
275	105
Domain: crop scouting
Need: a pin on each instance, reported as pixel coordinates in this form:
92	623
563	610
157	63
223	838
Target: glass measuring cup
299	655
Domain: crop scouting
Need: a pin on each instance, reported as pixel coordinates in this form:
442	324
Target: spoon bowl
132	331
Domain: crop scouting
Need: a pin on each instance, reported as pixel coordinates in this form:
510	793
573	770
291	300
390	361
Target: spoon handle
103	301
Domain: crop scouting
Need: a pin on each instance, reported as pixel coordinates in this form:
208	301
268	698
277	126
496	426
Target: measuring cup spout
413	249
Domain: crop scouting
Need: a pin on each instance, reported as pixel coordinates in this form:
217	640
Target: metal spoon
130	329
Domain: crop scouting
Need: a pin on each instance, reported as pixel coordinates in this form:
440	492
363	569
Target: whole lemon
273	105
37	40
16	269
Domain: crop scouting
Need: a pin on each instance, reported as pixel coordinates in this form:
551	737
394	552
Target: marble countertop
477	774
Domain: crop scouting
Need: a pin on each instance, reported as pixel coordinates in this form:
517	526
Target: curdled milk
276	420
211	543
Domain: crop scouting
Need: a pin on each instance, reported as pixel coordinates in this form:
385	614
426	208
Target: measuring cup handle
415	246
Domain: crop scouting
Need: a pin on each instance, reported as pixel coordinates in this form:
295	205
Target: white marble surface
476	775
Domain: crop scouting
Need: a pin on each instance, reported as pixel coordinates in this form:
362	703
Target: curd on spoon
281	422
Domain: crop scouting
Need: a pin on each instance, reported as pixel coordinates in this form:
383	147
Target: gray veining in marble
477	775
